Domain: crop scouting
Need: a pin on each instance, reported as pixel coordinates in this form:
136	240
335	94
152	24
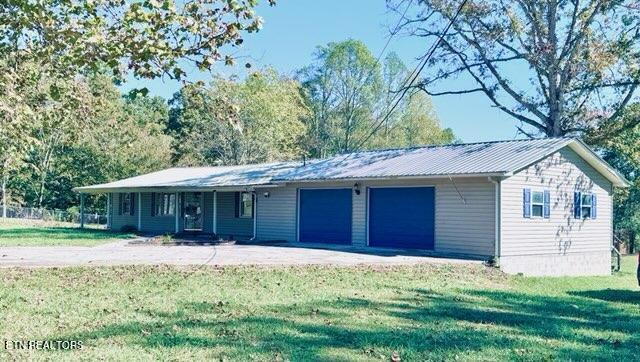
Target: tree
103	137
149	38
350	92
622	151
417	125
581	58
235	122
342	86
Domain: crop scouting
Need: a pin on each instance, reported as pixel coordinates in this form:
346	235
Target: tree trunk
4	196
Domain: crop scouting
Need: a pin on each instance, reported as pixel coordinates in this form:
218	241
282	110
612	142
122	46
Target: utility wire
414	75
377	62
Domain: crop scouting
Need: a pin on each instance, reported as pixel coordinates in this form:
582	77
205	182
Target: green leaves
258	119
149	39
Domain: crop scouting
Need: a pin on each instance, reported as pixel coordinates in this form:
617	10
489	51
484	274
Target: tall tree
580	58
622	150
351	92
342	84
258	119
101	138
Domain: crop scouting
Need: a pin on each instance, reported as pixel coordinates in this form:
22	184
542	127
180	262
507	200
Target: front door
193	211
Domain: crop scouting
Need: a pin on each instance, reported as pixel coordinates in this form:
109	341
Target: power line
377	62
412	76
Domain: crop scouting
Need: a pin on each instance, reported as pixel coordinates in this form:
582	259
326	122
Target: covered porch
218	201
228	213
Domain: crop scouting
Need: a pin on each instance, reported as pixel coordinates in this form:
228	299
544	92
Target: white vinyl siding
562	174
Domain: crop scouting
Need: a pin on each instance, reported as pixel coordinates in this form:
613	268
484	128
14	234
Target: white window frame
590	205
241	203
541	204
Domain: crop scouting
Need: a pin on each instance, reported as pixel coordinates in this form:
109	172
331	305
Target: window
246	205
126	203
164	204
586	206
537	203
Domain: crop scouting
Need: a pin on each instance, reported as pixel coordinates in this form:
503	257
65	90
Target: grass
17	232
426	312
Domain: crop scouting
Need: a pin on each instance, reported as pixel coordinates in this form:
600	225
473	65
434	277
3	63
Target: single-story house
538	207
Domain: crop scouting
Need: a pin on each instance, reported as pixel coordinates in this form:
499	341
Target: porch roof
197	178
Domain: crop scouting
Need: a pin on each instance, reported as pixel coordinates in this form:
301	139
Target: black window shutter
153	204
120	204
132	200
236	202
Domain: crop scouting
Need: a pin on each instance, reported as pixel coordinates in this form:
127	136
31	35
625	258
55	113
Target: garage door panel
402	217
325	216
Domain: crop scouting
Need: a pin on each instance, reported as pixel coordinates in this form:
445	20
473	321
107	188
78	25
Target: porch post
215	212
139	211
81	211
109	211
177	211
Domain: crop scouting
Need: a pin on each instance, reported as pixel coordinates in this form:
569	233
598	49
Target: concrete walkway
123	253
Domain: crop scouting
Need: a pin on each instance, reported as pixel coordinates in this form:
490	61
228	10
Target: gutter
382	178
100	190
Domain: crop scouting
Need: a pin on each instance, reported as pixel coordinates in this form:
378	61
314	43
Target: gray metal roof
499	158
455	159
199	177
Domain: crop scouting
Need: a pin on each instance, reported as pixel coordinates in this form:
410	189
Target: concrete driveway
124	253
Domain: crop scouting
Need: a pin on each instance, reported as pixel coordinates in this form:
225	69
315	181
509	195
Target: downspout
497	220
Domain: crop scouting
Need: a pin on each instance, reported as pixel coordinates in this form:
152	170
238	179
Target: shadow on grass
427	325
612	295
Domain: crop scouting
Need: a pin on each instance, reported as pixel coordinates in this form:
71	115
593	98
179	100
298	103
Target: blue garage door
401	217
325	216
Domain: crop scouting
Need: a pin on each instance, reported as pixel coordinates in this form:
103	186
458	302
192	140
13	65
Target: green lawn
16	232
429	312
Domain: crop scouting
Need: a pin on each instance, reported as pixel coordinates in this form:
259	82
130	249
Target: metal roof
456	159
498	158
199	177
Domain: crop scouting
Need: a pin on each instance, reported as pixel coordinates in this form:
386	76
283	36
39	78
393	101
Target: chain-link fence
17	212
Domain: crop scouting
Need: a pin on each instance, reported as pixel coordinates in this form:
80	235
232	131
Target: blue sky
294	28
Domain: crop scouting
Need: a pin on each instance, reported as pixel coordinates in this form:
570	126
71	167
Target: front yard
17	232
425	312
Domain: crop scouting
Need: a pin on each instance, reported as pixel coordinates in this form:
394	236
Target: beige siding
462	228
561	173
